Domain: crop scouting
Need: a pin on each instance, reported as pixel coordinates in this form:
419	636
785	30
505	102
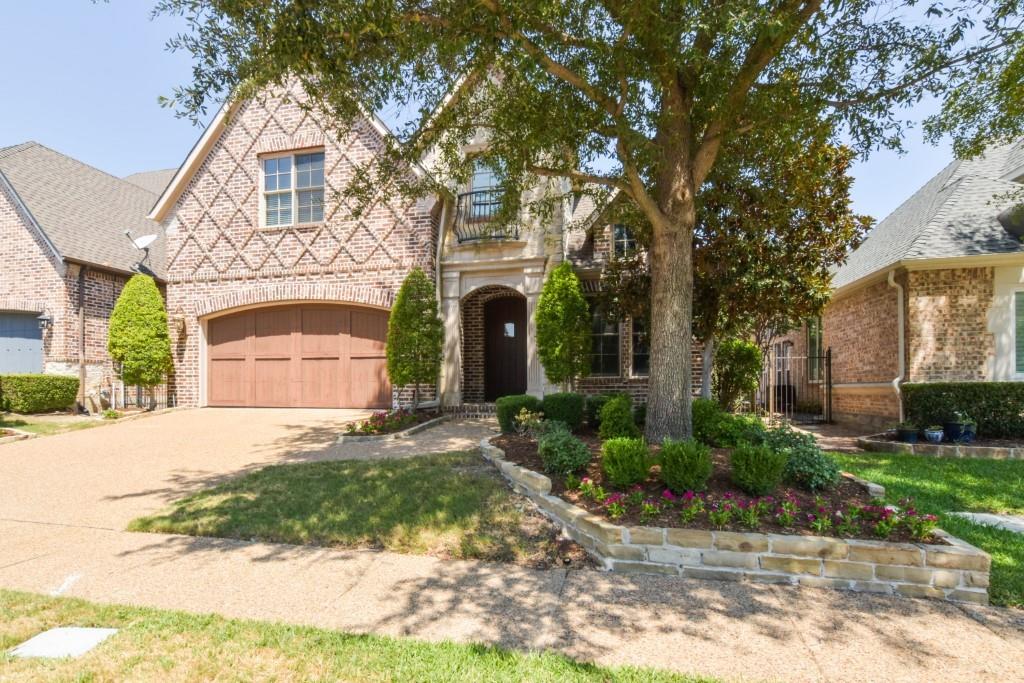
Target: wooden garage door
302	356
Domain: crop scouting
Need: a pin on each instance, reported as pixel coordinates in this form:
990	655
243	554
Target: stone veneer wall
957	572
948	336
217	248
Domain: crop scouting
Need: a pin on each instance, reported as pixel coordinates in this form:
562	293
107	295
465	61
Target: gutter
900	334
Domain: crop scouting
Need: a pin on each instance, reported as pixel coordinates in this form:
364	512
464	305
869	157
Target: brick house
64	259
935	293
278	294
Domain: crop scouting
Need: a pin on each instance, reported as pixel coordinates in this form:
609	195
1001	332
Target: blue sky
90	90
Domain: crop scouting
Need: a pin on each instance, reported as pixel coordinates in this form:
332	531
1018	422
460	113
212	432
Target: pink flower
667	495
688	496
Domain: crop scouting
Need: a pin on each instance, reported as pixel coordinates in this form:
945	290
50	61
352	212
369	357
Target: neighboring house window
1018	330
815	354
293	189
641	348
622	240
604	344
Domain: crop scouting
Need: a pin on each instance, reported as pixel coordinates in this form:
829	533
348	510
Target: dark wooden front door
504	347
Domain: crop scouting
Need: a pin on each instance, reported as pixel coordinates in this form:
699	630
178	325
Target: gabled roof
952	215
82	211
152	181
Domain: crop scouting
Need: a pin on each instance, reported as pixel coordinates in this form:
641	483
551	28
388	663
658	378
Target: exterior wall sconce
45	321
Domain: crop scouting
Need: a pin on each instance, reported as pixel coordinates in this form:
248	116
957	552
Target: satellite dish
144	241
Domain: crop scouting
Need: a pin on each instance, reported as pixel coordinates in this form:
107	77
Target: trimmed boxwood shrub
617	419
594	405
37	393
998	407
565	407
625	461
508	407
715	427
806	465
561	452
757	469
685	465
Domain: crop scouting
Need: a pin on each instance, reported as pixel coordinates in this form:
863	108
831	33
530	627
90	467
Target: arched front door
504	347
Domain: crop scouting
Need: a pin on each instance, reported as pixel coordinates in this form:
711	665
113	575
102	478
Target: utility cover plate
66	641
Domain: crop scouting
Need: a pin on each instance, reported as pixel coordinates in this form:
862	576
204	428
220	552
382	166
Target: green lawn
157	645
943	485
448	505
44	426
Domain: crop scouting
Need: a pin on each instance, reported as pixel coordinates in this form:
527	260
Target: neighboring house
934	294
64	258
279	296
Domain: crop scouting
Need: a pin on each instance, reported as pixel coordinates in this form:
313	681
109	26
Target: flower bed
385	422
944	568
849	509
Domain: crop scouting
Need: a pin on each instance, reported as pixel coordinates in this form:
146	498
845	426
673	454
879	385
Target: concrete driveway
107	476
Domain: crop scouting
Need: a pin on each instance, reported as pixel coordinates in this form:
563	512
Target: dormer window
293	189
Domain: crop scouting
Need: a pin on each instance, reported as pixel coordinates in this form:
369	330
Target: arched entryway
494	346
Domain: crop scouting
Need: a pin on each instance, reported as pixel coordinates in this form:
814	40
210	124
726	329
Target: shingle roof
153	181
953	214
83	211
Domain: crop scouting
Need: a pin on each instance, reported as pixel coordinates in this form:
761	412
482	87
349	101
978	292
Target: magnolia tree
415	335
138	338
563	327
642	97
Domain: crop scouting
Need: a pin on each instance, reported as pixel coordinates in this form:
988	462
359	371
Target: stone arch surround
295	291
472	322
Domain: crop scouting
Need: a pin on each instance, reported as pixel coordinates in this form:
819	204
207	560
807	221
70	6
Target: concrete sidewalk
65	499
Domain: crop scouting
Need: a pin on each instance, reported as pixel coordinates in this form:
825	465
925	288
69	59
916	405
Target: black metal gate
795	388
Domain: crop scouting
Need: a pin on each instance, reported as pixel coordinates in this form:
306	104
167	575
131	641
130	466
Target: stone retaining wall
942	450
958	572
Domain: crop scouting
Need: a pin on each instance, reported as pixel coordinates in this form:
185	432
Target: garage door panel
21	343
230	336
273	381
312	356
228	382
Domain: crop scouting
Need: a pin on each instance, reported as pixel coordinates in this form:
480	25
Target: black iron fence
475	217
153	398
795	388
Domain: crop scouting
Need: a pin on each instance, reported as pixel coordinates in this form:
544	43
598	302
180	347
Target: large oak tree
640	96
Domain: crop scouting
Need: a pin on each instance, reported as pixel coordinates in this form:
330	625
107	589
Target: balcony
475	218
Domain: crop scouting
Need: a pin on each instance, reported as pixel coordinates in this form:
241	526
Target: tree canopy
639	96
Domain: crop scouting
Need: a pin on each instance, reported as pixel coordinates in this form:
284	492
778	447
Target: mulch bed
522	451
420	416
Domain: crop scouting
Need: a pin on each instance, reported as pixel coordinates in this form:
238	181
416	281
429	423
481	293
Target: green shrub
138	337
715	427
617	419
640	414
806	465
548	426
736	371
757	469
561	452
997	406
508	407
625	461
37	393
415	335
563	326
685	465
565	407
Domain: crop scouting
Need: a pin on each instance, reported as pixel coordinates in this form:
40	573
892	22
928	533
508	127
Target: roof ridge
11	150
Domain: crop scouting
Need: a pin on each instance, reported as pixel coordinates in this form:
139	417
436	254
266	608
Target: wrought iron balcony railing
476	214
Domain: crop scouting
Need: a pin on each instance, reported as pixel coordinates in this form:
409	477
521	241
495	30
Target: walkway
1014	523
74	546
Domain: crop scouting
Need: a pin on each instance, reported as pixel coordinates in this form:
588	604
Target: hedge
508	408
998	407
37	393
565	407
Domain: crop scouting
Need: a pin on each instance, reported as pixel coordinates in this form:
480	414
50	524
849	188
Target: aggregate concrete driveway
65	500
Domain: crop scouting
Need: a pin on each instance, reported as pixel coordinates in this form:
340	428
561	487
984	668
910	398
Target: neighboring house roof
152	181
81	210
952	215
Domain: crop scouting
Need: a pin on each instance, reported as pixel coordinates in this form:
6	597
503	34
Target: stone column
533	280
451	361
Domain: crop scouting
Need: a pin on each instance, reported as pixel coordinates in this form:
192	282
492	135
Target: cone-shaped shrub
138	338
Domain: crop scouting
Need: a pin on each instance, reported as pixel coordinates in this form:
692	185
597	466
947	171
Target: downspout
900	335
81	338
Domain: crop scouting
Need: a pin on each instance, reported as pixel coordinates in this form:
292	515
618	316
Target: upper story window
604	342
623	241
815	352
478	207
293	189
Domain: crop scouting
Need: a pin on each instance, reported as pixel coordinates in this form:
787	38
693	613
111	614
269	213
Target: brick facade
947	320
218	252
473	339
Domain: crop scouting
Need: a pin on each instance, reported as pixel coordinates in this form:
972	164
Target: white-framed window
623	241
815	351
293	189
641	348
604	342
1018	333
485	191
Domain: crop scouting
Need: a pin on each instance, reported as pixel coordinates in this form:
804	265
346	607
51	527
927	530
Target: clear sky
83	78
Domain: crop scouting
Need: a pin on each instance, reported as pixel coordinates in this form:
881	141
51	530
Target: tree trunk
707	363
670	383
